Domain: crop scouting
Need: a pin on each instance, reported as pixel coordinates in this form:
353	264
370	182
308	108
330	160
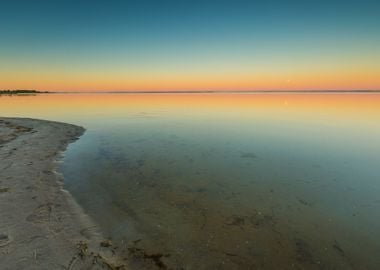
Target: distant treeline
20	91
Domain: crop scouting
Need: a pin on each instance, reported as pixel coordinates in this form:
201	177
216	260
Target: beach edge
42	226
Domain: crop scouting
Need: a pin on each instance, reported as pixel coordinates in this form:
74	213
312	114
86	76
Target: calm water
226	181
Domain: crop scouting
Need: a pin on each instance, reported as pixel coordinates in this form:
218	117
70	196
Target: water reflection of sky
201	176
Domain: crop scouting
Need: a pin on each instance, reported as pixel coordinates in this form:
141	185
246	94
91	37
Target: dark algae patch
248	155
4	190
303	251
4	239
156	257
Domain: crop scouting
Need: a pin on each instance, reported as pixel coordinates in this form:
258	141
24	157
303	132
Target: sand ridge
41	226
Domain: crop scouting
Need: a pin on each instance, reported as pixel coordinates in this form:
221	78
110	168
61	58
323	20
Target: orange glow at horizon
352	106
364	79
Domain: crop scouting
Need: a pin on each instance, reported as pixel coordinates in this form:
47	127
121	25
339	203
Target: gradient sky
189	45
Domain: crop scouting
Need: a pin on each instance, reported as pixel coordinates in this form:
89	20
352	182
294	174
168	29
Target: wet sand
41	226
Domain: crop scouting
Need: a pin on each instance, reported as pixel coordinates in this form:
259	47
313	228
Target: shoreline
42	226
332	91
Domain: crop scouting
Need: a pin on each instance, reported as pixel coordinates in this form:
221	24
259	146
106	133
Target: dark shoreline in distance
21	92
220	92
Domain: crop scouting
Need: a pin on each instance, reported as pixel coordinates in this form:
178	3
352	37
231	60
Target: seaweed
249	155
303	251
3	190
337	247
156	258
106	243
91	258
306	203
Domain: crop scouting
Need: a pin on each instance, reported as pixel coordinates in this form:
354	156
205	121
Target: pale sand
41	226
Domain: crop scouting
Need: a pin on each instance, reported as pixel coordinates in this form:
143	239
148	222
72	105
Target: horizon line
190	91
214	91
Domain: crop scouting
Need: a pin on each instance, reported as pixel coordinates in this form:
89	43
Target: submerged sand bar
41	226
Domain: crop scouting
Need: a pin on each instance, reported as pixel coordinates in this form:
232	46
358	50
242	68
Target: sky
151	45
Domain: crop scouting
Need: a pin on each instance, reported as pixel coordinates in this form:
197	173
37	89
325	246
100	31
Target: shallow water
226	181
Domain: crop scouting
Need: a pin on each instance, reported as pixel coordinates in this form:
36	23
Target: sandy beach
41	226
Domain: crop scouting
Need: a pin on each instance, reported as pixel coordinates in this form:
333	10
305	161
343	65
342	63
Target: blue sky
215	37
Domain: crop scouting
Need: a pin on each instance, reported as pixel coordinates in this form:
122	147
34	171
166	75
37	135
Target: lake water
225	181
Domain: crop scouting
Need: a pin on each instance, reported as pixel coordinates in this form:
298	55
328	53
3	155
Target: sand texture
41	226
